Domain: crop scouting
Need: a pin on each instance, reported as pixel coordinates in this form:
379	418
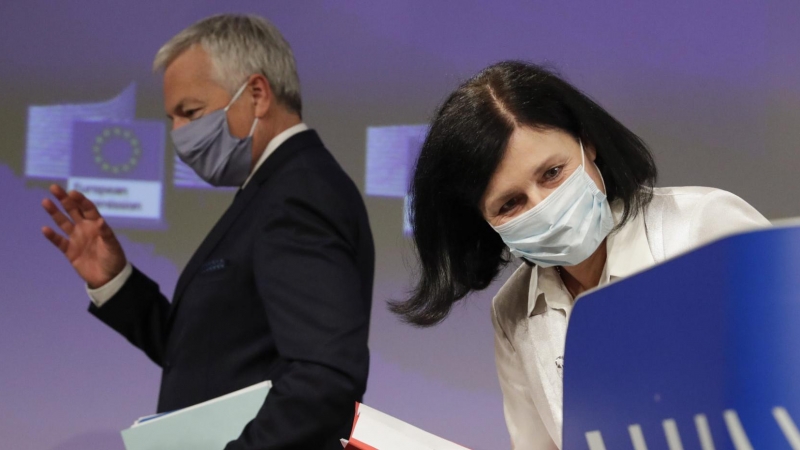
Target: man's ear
261	93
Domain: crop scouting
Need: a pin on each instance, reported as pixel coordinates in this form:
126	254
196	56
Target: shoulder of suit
313	161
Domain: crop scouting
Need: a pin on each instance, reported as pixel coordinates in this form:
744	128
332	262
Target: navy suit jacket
281	290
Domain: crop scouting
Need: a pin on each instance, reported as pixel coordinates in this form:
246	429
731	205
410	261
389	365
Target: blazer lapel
531	336
546	384
273	163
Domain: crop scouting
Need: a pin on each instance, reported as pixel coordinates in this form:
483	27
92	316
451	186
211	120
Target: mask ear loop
583	157
253	128
236	97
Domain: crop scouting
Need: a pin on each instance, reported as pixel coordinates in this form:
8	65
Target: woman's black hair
458	250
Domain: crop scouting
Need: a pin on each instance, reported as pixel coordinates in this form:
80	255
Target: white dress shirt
102	294
531	311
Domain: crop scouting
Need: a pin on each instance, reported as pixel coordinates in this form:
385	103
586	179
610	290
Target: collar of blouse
628	253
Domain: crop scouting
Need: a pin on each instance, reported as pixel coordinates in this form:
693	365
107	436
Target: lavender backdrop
713	86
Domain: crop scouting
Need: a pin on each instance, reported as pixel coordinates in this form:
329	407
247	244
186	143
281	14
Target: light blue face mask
565	228
207	146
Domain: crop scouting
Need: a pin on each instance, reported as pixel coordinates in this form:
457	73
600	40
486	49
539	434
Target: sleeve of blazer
308	277
139	312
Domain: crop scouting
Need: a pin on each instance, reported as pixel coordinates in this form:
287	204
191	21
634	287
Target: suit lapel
273	163
211	241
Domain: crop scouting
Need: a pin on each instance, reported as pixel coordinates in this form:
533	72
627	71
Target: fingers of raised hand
67	202
57	191
85	205
58	217
59	241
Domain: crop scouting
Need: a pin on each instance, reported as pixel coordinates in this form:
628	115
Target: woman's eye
508	206
553	173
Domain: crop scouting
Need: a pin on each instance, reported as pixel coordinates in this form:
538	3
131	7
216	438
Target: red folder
374	430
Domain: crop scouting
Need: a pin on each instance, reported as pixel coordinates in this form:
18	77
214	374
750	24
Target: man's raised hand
88	242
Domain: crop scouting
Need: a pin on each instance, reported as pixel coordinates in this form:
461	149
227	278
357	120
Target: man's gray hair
240	46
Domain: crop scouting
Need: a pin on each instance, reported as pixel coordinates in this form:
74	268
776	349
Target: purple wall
713	86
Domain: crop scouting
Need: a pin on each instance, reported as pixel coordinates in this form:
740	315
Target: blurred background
712	86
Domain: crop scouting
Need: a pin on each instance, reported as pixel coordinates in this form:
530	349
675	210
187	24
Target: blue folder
700	352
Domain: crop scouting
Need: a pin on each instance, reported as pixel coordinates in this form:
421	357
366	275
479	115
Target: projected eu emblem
103	151
119	166
132	148
391	154
48	150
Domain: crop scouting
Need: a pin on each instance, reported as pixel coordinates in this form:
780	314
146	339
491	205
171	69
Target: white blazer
531	310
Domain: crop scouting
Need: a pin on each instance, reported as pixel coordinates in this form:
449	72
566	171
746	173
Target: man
281	287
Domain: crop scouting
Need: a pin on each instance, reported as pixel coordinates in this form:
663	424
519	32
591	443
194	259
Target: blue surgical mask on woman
565	228
207	146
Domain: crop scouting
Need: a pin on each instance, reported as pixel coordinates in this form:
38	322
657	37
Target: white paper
205	426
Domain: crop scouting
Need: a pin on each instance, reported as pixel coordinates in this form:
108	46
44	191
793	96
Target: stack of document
205	426
374	430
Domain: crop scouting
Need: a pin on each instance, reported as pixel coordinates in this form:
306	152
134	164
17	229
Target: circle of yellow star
117	132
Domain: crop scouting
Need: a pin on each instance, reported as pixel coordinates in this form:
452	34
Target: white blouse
531	310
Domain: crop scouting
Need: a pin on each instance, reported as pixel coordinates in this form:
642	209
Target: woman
517	159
